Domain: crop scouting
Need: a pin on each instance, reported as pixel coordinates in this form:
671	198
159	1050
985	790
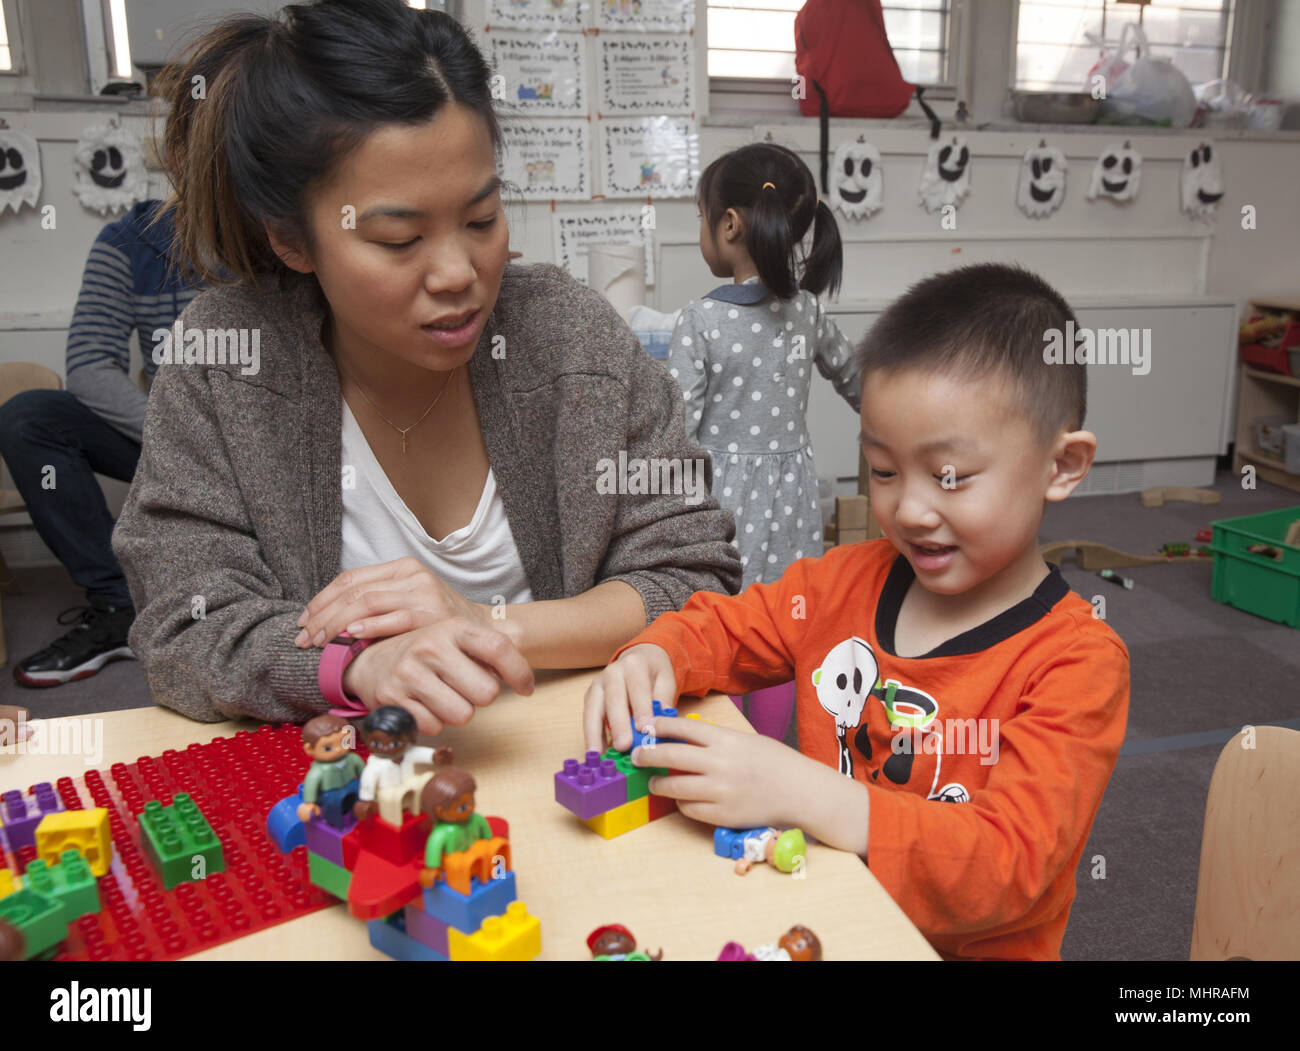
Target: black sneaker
98	637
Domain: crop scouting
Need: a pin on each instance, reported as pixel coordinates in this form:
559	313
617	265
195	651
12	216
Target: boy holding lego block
960	710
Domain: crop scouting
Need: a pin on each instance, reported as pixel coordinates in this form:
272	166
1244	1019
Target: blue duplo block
638	738
282	823
467	914
389	937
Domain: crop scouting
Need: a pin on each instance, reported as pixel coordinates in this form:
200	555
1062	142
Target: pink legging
770	709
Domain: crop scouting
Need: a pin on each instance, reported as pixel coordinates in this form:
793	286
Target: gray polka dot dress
743	359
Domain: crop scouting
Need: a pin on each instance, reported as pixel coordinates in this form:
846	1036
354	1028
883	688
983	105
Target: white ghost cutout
857	181
20	171
1202	181
1041	188
945	179
1116	174
110	172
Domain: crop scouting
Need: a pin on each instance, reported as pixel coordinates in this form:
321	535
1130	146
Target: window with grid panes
755	38
1059	41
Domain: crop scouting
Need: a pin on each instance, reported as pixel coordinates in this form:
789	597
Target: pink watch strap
334	660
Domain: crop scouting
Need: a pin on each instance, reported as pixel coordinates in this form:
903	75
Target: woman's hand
728	777
387	599
624	691
439	673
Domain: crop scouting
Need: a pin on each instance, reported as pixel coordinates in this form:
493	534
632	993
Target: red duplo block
395	845
379	888
661	806
351	846
499	826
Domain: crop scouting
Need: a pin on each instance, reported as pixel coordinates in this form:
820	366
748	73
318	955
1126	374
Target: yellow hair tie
767	184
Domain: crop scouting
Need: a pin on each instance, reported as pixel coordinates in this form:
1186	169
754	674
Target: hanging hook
767	137
1042	144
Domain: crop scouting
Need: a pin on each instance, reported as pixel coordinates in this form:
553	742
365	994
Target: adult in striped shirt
92	427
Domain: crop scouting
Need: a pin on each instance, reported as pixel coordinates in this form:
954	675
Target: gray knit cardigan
234	518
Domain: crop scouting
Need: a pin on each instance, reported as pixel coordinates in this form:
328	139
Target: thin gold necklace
403	430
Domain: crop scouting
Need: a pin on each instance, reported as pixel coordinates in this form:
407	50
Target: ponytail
825	263
770	242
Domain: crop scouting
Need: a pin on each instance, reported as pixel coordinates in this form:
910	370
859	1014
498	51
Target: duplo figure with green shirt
330	787
461	844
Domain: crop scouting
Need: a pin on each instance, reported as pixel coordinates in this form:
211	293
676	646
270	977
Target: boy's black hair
391	720
778	190
985	320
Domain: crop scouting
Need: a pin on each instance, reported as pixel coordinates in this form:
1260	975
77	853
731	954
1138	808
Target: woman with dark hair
404	407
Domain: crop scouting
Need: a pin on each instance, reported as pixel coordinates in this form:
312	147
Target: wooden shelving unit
1262	393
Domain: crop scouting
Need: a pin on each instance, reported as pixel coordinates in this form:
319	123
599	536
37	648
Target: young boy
960	710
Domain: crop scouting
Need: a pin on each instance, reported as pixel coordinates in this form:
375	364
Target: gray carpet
1200	671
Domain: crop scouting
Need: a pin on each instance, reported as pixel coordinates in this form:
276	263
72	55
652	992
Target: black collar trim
1010	622
745	295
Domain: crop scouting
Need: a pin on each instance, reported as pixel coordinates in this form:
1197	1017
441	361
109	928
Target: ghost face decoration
844	682
1041	188
857	182
20	171
945	179
1116	174
1202	181
110	172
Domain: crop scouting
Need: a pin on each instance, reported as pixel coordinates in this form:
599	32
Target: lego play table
662	881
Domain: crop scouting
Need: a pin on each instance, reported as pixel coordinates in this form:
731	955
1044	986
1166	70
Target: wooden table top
662	881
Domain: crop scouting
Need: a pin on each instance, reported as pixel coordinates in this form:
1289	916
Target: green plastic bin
1267	587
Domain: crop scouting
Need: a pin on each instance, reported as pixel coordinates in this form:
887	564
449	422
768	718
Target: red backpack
842	51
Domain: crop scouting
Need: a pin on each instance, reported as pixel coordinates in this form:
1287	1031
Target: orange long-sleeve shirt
984	760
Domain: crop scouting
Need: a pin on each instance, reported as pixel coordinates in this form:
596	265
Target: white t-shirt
479	561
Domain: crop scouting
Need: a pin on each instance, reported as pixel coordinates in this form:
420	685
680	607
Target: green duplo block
39	916
175	838
70	882
638	777
332	878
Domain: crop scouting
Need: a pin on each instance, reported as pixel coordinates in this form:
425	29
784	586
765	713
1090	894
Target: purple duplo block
22	814
427	930
591	787
325	840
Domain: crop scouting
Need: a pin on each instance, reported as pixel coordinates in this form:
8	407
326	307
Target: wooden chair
15	378
1248	889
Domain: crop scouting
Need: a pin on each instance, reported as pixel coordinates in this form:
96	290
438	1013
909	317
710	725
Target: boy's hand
624	690
728	778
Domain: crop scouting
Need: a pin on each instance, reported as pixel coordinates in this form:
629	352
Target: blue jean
40	429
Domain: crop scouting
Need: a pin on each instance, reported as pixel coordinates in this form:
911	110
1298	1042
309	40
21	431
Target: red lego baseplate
235	781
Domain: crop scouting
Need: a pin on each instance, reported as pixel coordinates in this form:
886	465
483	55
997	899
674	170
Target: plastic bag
1150	89
1111	63
1222	104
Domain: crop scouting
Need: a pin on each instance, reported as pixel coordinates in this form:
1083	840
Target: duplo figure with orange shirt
960	710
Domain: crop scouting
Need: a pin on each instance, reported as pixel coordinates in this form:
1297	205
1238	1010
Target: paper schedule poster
646	74
659	16
649	157
543	74
548	159
576	231
537	14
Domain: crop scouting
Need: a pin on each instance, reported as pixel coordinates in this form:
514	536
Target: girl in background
742	355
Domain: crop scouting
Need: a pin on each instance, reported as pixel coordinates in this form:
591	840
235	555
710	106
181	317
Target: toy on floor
1115	578
615	942
798	944
333	780
784	851
389	733
430	874
608	793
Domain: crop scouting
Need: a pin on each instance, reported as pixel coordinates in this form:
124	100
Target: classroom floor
1200	671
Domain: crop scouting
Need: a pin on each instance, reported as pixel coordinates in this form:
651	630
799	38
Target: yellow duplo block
513	936
85	831
8	883
621	819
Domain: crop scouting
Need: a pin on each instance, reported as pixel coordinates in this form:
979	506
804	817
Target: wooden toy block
85	831
514	936
621	819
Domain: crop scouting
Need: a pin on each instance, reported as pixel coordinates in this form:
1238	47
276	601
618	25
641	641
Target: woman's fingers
497	653
593	714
